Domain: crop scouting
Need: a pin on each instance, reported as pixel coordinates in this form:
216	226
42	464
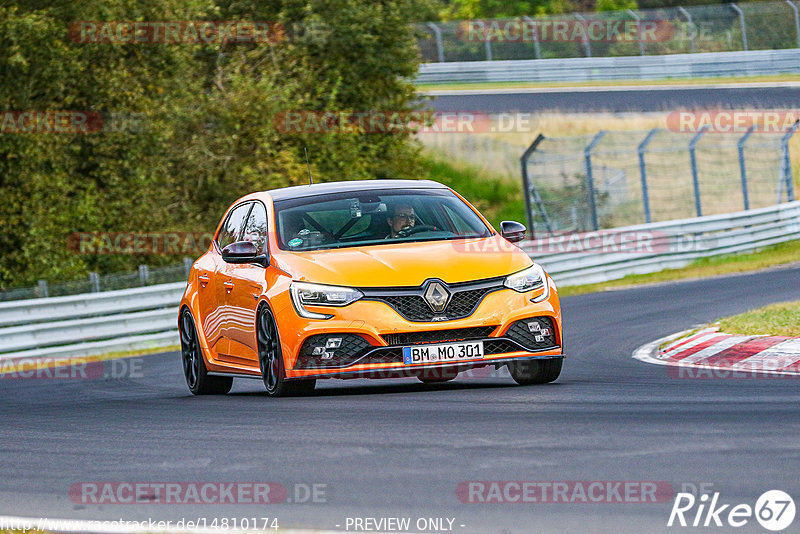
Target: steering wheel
411	230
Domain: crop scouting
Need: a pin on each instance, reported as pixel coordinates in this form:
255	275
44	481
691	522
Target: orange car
364	279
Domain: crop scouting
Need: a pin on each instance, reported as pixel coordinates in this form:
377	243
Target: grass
608	83
781	254
774	320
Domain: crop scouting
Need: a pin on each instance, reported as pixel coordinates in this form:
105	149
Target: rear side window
232	228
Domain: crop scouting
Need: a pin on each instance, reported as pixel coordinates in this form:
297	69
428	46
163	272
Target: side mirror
513	231
243	252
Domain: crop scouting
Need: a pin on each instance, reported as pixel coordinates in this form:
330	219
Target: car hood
406	264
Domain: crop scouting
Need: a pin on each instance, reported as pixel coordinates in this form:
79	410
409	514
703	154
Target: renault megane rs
364	279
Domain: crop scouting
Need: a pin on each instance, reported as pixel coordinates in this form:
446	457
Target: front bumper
375	348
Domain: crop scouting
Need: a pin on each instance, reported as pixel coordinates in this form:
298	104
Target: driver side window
255	230
232	228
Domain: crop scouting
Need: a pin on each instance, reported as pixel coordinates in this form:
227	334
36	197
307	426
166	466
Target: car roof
299	191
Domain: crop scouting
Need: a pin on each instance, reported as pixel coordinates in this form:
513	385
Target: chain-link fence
705	28
490	154
612	179
145	276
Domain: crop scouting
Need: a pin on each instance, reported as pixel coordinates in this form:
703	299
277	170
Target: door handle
228	285
204	279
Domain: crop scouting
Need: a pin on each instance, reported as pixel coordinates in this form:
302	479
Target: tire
270	360
194	366
528	372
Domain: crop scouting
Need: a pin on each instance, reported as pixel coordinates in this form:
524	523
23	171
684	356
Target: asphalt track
626	99
401	448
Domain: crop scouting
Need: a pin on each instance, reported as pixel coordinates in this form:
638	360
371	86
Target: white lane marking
647	351
600	88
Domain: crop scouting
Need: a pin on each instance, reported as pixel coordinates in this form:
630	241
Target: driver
402	218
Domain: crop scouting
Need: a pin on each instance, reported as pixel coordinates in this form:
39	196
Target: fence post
43	291
586	45
742	167
786	164
144	274
796	21
742	23
529	189
638	30
487	43
643	174
587	155
536	50
94	280
437	33
187	264
693	159
691	27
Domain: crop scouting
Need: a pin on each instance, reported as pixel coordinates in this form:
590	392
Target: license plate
442	352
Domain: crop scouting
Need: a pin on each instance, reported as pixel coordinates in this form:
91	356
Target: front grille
536	333
411	304
439	336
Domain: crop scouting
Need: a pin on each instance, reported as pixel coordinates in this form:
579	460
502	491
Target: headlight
304	293
531	278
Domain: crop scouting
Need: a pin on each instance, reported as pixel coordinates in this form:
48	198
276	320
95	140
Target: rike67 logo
774	510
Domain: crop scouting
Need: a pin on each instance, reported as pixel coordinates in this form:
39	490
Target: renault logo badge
437	296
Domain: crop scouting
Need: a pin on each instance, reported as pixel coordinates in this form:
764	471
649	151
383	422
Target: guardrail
92	323
656	246
131	319
702	65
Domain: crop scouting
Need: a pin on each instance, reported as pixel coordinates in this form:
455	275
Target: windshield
354	219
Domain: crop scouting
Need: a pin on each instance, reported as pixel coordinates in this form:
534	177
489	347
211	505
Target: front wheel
270	360
527	372
194	368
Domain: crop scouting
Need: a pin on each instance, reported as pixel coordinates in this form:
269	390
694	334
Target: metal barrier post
689	20
536	50
144	274
437	33
796	21
742	168
94	279
587	155
487	43
187	264
529	189
786	164
643	173
43	292
742	23
693	159
638	30
586	45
